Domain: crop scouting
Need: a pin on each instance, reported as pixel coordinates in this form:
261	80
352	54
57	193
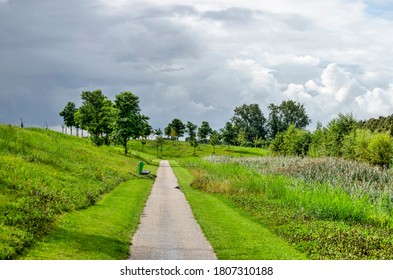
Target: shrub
380	149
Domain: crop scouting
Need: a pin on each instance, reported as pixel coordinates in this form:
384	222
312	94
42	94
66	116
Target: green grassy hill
44	174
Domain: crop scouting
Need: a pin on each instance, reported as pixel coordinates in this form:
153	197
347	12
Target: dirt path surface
168	230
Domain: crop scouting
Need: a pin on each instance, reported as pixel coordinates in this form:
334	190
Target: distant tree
287	113
191	131
159	142
214	140
158	132
250	120
68	115
144	130
228	134
96	115
175	129
258	142
204	131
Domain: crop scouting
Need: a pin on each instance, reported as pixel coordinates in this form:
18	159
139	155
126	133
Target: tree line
283	131
108	121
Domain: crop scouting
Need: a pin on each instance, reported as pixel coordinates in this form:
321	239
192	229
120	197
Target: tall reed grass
325	188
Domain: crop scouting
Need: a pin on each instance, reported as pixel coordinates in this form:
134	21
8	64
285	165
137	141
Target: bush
380	149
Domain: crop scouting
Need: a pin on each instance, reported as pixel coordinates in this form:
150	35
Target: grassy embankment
47	178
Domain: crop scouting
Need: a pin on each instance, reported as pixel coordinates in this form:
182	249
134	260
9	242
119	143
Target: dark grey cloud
195	61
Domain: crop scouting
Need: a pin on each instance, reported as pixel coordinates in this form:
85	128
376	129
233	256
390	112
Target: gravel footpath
168	230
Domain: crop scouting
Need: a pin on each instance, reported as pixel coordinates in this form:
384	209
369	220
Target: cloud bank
196	60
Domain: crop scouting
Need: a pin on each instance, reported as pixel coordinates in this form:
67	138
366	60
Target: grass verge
100	232
232	235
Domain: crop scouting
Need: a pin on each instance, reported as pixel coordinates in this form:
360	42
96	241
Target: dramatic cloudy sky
196	60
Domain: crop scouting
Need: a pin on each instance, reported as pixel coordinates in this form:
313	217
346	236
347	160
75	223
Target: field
55	189
342	211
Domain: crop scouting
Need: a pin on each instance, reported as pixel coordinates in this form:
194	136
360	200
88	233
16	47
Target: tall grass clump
45	173
328	187
327	208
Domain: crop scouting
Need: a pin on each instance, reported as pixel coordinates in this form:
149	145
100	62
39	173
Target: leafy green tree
214	140
355	145
250	120
258	142
287	113
318	142
293	141
128	118
96	115
204	131
337	129
175	129
229	134
144	130
191	131
241	139
68	115
158	132
159	142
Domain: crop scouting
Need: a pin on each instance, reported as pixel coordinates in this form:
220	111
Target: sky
196	60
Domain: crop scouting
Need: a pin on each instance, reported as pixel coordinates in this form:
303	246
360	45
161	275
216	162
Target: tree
159	142
250	120
159	139
128	118
228	134
337	129
96	115
214	140
287	113
68	115
204	131
175	129
191	130
144	130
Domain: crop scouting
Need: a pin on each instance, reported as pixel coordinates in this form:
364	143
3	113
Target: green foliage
287	113
249	121
96	115
382	124
128	118
293	141
175	129
204	131
68	115
337	129
381	149
45	173
214	140
229	134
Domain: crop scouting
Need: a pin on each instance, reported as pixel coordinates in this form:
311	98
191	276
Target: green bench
140	169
